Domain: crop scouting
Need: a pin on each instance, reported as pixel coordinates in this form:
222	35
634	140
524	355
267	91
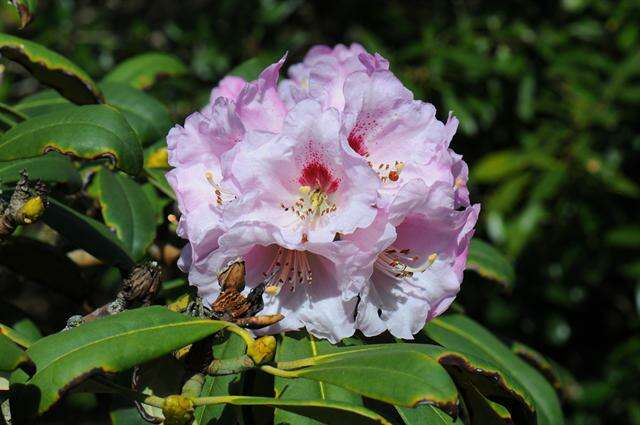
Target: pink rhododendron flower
337	188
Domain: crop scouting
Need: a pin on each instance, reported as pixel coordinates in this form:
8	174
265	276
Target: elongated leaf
457	332
88	234
424	415
494	382
144	70
319	410
26	9
112	344
51	69
9	117
147	116
481	411
157	178
11	356
221	385
42	103
539	362
297	345
52	168
490	263
89	132
17	326
383	372
126	209
55	270
498	165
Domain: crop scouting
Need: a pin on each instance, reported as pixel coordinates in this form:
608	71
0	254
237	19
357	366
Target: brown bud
232	276
257	322
142	284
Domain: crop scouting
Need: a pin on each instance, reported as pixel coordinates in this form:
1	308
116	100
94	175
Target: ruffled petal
259	105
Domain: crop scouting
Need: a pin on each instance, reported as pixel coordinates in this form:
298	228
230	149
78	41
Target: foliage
546	94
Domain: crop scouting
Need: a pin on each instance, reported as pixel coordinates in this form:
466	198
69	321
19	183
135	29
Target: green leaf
220	385
539	362
490	263
482	411
55	270
147	116
144	70
297	345
498	165
126	209
17	326
11	356
10	116
157	178
319	410
459	333
424	415
496	383
51	69
42	103
382	372
624	236
51	168
88	234
26	9
89	132
111	344
251	68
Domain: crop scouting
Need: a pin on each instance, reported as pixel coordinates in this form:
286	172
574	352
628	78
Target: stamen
217	189
394	263
288	267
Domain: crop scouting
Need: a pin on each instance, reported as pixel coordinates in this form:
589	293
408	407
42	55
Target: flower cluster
336	187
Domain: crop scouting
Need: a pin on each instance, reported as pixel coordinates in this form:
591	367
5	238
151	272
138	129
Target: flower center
289	267
317	183
394	262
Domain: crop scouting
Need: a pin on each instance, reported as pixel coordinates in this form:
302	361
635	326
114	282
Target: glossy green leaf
157	178
538	361
479	410
297	345
126	209
490	263
382	372
498	165
26	10
11	356
251	68
319	410
88	234
425	415
112	344
147	116
156	155
51	168
17	326
42	103
459	333
126	416
88	132
495	382
9	117
55	270
221	385
51	69
144	70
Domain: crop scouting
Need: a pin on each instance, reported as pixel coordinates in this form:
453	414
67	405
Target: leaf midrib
102	340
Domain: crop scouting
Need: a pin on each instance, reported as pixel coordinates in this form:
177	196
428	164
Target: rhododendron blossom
337	188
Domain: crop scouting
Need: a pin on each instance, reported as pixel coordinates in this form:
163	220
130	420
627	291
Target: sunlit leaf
51	69
144	70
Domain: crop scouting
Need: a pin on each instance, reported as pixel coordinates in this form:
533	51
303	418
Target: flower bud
31	211
262	350
177	410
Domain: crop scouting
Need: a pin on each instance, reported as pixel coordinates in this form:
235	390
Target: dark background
548	95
